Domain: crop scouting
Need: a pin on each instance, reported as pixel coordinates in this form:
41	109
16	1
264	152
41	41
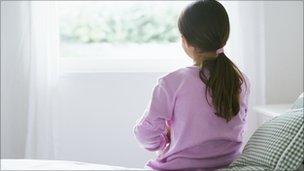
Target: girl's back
199	139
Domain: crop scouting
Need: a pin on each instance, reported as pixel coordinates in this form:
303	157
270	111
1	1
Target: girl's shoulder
245	84
180	74
177	79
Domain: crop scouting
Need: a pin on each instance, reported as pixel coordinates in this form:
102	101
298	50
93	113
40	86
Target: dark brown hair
205	26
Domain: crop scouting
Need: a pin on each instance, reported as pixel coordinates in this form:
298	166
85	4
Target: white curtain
43	79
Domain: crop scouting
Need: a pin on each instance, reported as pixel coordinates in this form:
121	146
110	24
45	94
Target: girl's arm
151	130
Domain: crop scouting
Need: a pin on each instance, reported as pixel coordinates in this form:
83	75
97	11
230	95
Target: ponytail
223	83
205	26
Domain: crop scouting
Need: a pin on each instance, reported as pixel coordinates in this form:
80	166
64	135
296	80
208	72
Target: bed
28	164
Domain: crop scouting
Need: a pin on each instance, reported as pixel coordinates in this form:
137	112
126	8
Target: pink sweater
199	139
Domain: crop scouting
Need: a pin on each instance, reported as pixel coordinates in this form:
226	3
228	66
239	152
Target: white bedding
26	164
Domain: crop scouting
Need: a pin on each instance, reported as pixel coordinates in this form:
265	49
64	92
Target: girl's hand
168	131
168	141
168	134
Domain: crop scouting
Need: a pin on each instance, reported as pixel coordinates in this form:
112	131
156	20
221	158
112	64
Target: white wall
284	50
96	116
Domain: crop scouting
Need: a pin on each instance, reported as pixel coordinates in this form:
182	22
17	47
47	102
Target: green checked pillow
298	104
276	145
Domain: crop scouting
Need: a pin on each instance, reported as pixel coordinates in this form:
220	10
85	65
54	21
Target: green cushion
298	104
243	168
276	145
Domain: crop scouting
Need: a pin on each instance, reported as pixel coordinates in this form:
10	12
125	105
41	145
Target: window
121	36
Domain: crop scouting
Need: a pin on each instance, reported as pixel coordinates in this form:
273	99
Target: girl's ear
184	41
190	50
187	45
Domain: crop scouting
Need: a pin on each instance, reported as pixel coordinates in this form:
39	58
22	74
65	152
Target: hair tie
219	51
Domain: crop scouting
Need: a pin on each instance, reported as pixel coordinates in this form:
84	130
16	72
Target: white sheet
26	164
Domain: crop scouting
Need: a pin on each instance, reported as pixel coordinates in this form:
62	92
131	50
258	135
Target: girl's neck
200	57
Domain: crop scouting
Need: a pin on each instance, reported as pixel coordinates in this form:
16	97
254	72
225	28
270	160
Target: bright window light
121	35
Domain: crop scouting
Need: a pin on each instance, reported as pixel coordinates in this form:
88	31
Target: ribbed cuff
163	142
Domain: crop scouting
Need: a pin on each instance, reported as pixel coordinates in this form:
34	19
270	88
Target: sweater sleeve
150	128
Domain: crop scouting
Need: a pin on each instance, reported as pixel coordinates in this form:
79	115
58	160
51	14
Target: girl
197	114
